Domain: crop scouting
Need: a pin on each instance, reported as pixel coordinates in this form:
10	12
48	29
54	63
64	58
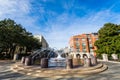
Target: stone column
69	64
44	63
105	57
15	57
28	61
114	56
94	60
76	62
23	60
87	62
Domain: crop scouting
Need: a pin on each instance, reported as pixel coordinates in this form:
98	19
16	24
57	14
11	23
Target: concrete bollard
28	61
69	64
105	57
115	57
23	60
94	61
44	63
15	57
87	62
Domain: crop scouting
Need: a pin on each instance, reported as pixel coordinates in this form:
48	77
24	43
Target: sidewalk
109	61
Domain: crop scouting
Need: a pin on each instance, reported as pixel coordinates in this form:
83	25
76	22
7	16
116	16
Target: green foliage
109	39
13	34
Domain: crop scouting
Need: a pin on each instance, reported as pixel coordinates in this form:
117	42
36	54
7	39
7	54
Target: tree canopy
109	39
13	35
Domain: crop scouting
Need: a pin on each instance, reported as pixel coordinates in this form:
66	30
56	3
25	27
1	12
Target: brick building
83	43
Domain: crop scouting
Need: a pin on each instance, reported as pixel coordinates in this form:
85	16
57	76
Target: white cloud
19	10
66	26
58	30
14	7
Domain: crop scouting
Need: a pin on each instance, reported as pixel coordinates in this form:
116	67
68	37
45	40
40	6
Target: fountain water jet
58	61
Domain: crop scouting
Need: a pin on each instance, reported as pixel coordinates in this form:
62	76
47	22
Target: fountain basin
57	62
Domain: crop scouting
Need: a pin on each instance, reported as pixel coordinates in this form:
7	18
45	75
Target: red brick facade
83	42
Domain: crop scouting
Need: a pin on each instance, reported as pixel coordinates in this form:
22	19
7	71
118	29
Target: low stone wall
41	72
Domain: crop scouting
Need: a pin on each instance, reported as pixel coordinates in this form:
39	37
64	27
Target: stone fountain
57	61
64	65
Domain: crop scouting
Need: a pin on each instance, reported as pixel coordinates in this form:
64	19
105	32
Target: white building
42	40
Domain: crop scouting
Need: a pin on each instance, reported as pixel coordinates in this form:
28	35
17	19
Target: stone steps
47	72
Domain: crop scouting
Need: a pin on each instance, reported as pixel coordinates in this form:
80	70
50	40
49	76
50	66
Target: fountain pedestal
23	60
44	63
87	62
28	61
69	64
94	61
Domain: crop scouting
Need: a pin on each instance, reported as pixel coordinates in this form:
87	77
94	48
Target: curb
109	61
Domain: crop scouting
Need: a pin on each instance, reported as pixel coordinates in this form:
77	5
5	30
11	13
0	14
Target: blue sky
58	20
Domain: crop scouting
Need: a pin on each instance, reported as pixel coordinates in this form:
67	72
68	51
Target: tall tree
109	39
13	35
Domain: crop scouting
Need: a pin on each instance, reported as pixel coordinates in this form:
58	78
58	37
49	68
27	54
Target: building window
84	50
83	45
90	45
76	39
83	39
77	45
89	39
91	50
78	50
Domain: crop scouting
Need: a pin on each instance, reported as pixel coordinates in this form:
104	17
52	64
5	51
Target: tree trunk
12	50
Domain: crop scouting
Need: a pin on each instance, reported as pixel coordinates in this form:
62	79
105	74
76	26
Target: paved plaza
112	73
